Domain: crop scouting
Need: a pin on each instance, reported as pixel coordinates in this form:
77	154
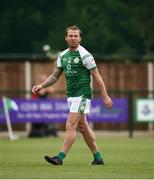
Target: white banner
145	110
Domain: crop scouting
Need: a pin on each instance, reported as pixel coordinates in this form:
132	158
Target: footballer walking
78	65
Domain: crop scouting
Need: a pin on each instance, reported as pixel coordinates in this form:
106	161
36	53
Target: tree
117	28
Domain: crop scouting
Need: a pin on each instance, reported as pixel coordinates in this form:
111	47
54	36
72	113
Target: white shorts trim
79	104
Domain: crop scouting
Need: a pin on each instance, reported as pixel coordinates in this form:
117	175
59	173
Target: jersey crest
76	60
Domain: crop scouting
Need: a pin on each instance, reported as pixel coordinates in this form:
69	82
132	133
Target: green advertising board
144	110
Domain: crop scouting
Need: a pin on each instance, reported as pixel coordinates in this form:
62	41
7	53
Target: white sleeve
89	62
59	64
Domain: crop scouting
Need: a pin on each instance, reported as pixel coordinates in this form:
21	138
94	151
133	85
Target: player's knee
70	126
83	129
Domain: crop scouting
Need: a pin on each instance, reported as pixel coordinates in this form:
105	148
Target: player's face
73	39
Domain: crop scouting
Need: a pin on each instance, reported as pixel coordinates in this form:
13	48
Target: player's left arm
97	77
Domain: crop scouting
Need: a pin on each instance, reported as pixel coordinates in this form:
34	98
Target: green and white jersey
76	66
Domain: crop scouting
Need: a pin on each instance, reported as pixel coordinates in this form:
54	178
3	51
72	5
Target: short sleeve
59	64
89	62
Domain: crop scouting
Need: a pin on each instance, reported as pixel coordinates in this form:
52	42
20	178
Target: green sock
61	156
97	156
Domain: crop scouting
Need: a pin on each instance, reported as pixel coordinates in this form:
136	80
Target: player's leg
71	128
88	134
90	140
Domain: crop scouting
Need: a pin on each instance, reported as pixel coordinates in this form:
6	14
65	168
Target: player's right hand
36	89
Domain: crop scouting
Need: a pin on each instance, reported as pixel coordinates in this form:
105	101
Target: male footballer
78	65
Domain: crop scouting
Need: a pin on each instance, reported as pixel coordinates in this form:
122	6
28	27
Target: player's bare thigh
73	120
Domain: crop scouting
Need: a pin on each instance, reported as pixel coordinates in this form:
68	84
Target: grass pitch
124	158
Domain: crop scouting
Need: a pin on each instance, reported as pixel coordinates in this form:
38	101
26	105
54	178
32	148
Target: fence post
130	114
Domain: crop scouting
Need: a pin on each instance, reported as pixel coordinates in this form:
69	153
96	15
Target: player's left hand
108	102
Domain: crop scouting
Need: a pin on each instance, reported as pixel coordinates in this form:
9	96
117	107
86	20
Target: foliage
121	27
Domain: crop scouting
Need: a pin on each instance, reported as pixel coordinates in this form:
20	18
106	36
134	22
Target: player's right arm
49	81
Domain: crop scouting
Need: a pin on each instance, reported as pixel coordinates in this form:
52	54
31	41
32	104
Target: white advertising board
145	110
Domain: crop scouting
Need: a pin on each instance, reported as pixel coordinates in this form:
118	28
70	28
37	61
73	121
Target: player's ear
80	38
65	38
